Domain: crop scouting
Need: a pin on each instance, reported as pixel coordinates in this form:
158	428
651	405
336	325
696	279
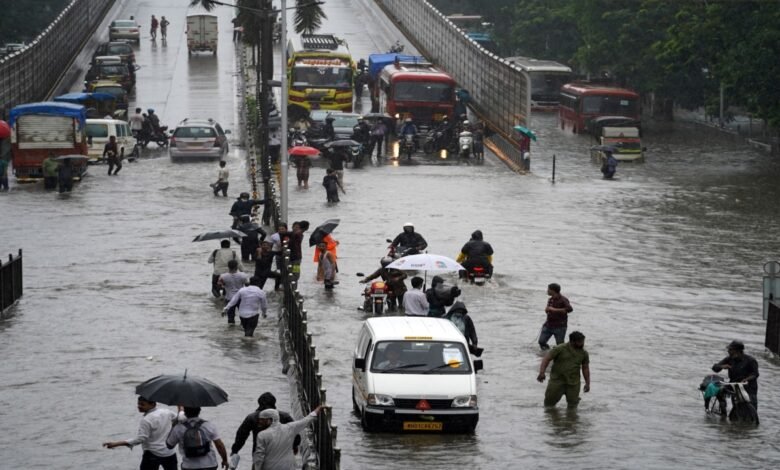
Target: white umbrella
426	262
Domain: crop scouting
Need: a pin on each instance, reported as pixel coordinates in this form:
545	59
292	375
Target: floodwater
662	266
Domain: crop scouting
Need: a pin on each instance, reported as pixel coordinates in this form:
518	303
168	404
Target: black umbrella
219	235
325	228
72	157
377	116
182	390
342	143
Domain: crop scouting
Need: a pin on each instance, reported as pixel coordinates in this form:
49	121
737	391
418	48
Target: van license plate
422	426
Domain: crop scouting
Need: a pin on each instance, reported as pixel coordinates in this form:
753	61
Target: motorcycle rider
330	132
476	252
742	368
154	120
446	129
409	241
394	279
409	129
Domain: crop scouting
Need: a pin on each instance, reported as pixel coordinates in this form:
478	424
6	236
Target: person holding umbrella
152	431
323	233
301	155
194	437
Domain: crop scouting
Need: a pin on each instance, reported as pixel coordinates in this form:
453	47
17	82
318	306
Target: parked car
124	29
98	132
122	49
115	72
198	138
343	123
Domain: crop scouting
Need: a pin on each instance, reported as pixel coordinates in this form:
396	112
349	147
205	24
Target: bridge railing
500	92
11	282
29	74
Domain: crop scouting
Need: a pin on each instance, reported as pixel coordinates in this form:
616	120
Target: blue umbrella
526	132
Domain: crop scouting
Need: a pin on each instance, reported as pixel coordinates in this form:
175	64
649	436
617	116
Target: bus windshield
548	83
433	92
324	77
609	105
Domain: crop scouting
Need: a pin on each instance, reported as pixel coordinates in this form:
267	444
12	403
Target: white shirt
154	429
415	303
207	461
276	242
233	282
220	258
136	122
223	175
252	300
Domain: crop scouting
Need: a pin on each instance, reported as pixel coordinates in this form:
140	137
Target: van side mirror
478	365
360	363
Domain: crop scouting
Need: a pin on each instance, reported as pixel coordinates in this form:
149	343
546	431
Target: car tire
355	406
368	422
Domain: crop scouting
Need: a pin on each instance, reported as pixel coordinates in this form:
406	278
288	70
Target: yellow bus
320	73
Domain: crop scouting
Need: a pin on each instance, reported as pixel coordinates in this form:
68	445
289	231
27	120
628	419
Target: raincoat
274	444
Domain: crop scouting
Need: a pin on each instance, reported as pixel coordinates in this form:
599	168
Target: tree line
682	51
21	21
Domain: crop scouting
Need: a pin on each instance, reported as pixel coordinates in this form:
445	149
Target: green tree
24	20
308	16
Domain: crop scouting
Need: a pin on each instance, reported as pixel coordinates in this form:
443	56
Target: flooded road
662	266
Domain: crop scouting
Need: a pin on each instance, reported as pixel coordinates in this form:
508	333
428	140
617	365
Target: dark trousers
275	151
149	461
547	333
66	184
249	324
112	163
215	289
4	183
262	276
50	182
221	187
377	141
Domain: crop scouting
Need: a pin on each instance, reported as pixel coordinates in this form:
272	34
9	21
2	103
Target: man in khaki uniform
568	359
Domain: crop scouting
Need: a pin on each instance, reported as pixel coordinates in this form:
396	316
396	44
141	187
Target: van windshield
420	357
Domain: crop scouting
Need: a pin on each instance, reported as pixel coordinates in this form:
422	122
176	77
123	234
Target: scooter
435	141
465	144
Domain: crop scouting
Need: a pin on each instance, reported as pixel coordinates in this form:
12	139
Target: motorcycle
376	295
394	253
356	155
465	144
158	136
478	275
407	146
396	48
435	141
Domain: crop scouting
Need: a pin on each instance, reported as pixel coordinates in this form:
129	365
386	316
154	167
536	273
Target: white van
98	132
414	374
202	32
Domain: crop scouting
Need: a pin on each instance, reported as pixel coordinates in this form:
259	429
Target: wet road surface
662	266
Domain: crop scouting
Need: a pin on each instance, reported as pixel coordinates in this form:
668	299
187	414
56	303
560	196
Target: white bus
547	78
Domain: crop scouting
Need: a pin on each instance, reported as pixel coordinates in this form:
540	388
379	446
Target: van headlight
380	400
466	401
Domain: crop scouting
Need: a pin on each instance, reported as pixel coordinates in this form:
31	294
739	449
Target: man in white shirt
232	281
220	259
251	300
136	122
152	432
415	302
222	180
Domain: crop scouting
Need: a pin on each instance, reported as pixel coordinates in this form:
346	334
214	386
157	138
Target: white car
198	138
124	29
98	132
414	374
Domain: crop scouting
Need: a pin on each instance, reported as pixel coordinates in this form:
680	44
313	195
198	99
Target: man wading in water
567	359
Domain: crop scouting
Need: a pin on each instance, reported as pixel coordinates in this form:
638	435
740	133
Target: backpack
194	442
459	319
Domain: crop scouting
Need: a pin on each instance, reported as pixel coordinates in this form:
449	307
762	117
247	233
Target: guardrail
500	92
29	74
11	282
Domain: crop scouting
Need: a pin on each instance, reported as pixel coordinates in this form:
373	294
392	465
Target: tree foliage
308	16
24	20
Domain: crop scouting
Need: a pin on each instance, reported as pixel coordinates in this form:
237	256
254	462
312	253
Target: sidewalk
740	126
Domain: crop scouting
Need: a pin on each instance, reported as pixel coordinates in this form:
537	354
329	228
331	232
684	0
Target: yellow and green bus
320	73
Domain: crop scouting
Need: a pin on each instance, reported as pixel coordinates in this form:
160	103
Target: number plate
422	426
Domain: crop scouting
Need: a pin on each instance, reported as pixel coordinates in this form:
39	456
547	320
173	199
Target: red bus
417	90
581	102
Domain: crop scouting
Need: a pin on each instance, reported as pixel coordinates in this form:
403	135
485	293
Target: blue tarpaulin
51	108
376	62
79	98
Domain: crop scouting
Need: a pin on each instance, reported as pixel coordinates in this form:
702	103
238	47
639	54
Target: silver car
124	29
198	138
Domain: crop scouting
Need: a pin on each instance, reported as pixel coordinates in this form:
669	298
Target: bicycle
715	391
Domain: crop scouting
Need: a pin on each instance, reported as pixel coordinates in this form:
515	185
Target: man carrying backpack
194	437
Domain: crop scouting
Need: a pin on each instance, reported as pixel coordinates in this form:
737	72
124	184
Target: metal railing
30	74
500	92
11	281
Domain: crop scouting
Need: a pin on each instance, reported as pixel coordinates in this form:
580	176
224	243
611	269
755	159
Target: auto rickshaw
98	105
111	88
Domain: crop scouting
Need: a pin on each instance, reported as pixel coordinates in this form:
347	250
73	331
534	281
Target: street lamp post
284	157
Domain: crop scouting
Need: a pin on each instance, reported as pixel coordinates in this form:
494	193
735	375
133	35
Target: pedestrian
220	258
254	235
415	303
251	301
152	432
479	141
296	250
331	245
558	309
741	368
326	269
153	30
50	172
136	122
243	206
264	261
3	174
302	165
112	155
568	359
274	442
274	145
459	316
378	132
65	175
222	180
232	281
337	157
251	425
236	29
332	185
440	296
277	243
194	437
164	28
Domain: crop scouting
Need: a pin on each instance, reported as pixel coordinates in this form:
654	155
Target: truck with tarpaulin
47	128
320	73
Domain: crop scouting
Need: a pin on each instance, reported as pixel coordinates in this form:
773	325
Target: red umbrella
5	130
303	150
